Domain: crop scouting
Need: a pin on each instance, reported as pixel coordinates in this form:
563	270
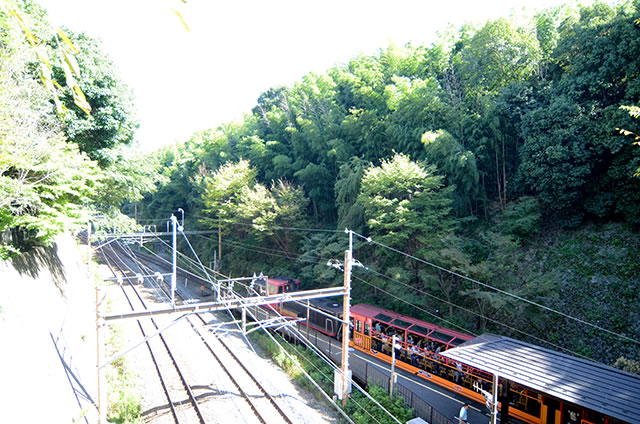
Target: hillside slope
47	328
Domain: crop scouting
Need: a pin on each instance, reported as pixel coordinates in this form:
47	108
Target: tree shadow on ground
83	398
32	262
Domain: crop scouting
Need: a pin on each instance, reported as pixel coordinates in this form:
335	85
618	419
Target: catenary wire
622	336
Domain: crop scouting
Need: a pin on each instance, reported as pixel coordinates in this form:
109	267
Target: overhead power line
506	293
271	227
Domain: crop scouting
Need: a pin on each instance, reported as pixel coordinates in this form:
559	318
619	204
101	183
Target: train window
440	336
383	317
366	329
457	341
358	326
592	417
419	329
400	323
328	326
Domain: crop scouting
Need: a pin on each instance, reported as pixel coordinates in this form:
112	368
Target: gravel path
229	406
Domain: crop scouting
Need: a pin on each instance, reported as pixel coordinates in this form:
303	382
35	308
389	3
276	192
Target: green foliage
112	122
556	159
233	197
457	164
359	407
44	181
522	217
47	184
127	176
347	188
628	365
406	204
125	405
226	188
362	410
511	128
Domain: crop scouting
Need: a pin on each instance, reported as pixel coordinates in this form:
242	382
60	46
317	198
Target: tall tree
406	206
44	181
112	122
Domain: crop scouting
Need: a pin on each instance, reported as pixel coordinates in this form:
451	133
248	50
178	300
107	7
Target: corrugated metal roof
595	386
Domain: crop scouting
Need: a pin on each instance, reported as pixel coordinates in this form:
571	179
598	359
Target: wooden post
345	318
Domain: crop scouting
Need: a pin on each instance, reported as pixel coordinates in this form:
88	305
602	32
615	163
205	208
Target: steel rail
252	404
259	385
186	386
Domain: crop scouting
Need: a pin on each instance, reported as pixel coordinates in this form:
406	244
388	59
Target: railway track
196	402
181	401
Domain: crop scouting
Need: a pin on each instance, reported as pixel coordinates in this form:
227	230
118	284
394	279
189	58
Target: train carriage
423	349
418	350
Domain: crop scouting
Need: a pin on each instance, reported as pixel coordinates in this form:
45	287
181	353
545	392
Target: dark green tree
112	121
406	206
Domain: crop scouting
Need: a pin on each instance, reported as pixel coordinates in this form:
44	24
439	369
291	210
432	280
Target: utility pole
219	246
100	351
393	366
494	400
345	318
174	221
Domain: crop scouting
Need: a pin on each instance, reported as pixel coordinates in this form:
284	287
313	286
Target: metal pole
102	407
174	221
100	348
308	310
345	317
219	246
494	400
393	365
244	320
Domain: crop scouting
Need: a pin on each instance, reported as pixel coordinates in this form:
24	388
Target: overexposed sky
185	81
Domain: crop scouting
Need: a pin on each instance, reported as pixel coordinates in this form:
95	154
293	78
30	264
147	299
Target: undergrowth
359	408
124	403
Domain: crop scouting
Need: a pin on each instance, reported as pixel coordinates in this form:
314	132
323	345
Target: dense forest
65	121
491	170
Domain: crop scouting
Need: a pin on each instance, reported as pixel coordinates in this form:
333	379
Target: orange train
418	347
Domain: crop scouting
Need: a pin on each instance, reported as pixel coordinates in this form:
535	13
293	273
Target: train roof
416	326
329	304
277	281
603	389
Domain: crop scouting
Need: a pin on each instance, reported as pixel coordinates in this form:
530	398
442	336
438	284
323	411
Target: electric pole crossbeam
233	303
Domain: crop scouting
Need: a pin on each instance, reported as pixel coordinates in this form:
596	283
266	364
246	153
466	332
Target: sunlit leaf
71	61
181	19
81	101
68	73
67	41
30	37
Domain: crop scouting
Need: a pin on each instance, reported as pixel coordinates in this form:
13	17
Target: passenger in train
436	365
458	372
573	417
398	343
415	354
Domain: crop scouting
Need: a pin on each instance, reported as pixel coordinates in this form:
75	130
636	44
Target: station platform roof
603	389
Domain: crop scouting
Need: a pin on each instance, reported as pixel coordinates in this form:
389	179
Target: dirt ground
47	328
49	349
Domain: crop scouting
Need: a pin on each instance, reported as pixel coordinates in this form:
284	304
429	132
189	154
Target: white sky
189	81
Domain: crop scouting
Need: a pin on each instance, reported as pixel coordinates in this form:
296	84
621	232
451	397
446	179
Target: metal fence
374	376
